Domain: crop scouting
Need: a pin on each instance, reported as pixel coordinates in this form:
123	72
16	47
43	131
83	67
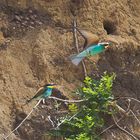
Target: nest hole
110	27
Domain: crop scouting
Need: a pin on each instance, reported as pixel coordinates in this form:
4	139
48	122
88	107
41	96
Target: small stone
32	17
25	23
30	11
31	27
27	18
21	17
22	26
18	22
39	22
42	117
8	41
17	18
32	23
24	29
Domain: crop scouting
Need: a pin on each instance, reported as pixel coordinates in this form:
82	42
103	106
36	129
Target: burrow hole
109	26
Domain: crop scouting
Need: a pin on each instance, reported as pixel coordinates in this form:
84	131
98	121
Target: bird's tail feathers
76	59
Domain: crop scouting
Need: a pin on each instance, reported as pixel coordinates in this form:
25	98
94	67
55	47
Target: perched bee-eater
90	51
43	92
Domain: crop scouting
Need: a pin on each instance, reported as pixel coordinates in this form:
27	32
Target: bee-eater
90	51
43	92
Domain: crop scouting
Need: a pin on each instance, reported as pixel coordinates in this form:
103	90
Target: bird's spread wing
90	38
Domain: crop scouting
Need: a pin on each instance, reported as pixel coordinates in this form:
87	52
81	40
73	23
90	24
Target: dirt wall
36	41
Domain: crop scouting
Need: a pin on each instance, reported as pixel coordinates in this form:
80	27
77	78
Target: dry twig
69	101
123	129
66	119
110	126
135	116
24	119
130	99
76	45
128	108
114	104
129	104
49	117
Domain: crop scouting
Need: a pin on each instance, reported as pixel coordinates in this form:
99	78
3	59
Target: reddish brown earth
35	43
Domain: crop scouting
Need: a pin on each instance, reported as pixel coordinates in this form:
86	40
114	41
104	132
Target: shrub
89	114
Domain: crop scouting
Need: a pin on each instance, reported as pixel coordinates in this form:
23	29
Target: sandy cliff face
36	40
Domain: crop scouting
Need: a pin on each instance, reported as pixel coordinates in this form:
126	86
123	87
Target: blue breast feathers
48	92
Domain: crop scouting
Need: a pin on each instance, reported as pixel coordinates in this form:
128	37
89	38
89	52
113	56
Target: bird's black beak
108	45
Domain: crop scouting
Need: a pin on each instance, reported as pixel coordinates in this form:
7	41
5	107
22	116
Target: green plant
73	108
89	118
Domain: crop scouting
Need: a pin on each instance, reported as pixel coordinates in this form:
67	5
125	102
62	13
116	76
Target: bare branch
67	119
110	126
123	129
114	104
129	104
23	120
76	44
121	109
130	98
128	108
49	117
135	116
69	101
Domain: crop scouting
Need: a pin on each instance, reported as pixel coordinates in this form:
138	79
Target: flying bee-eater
43	92
90	51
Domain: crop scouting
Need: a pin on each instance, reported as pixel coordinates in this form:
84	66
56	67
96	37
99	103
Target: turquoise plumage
92	50
43	92
91	44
